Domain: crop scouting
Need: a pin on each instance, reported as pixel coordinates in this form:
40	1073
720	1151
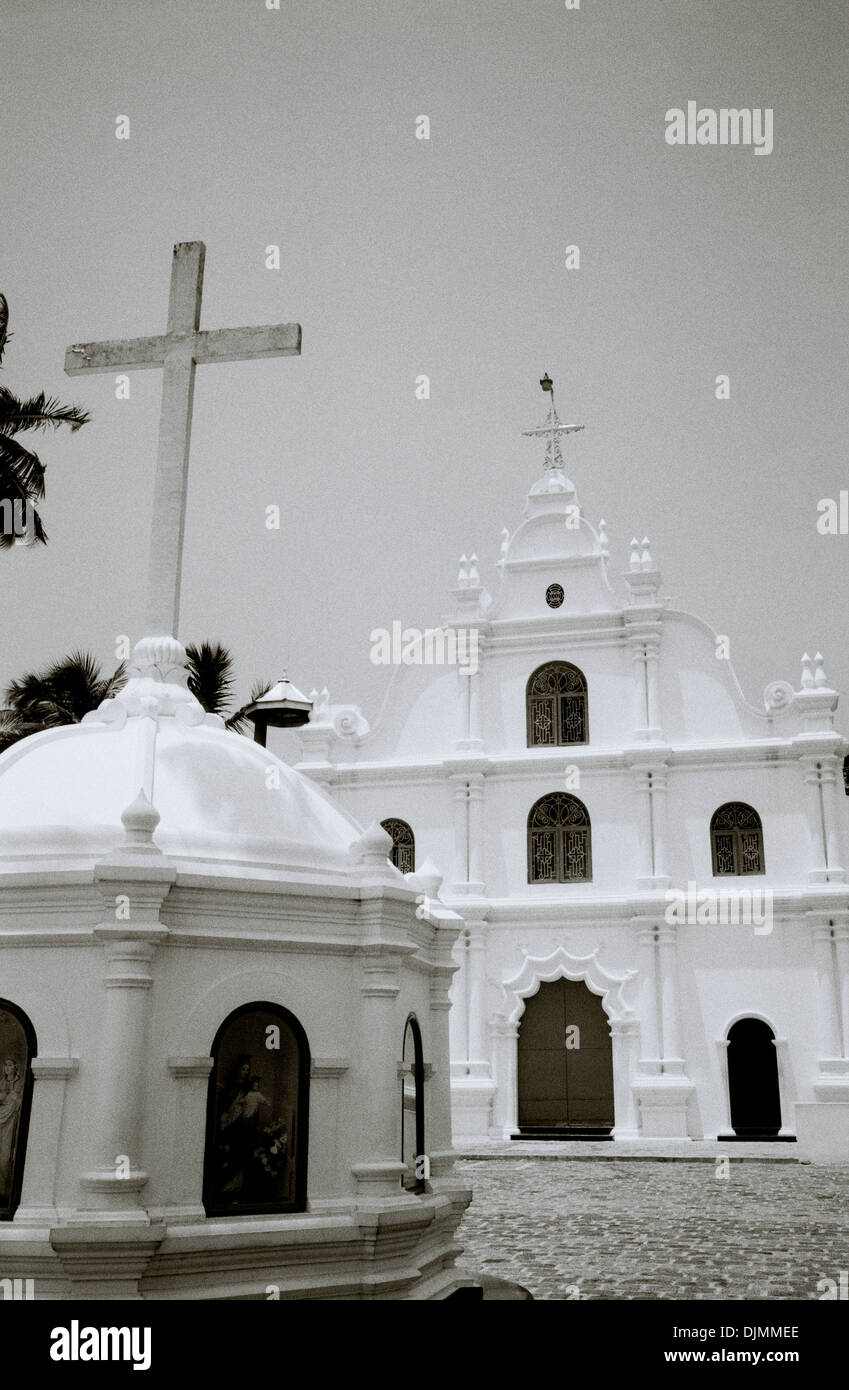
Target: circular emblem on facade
554	595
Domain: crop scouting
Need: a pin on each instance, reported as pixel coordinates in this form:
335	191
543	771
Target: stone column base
471	1106
662	1106
822	1131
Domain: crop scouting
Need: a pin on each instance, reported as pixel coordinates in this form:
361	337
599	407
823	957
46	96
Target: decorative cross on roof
178	351
552	428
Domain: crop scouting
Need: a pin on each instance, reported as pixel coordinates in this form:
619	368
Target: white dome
221	798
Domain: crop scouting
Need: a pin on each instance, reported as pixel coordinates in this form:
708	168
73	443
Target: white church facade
651	869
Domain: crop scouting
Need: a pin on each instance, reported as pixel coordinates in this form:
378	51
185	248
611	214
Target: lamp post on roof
282	707
552	428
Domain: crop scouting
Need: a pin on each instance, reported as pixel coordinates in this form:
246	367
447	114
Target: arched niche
257	1114
17	1049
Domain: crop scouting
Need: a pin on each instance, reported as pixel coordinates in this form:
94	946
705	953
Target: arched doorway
413	1109
753	1080
257	1114
17	1049
565	1062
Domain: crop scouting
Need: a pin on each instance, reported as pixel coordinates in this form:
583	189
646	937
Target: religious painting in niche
17	1048
256	1134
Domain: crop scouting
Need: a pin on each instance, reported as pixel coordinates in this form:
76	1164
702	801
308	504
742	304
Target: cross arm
128	355
244	344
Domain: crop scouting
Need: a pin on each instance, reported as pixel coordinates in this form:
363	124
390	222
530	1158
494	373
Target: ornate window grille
737	843
403	852
559	847
556	701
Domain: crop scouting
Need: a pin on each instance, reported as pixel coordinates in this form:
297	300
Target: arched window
737	842
403	852
17	1049
412	1109
559	849
556	703
256	1118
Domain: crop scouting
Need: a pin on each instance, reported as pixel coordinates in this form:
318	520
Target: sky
399	256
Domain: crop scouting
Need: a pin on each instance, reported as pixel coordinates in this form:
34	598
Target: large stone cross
178	351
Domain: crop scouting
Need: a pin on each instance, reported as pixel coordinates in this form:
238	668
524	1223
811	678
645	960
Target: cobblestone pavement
656	1230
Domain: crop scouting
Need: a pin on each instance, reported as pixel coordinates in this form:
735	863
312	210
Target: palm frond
210	675
4	324
40	412
62	694
22	465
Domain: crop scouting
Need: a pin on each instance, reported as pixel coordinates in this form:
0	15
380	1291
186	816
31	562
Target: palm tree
66	691
62	694
211	680
21	470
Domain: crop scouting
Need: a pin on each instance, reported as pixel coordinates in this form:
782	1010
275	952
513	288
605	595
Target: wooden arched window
559	845
403	852
413	1154
556	704
257	1112
17	1049
736	838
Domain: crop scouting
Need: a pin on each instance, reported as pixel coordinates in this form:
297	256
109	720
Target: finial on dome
646	561
373	847
602	539
819	674
463	573
807	673
474	573
634	559
505	543
551	429
139	820
430	878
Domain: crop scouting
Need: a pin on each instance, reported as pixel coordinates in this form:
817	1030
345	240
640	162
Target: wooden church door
565	1072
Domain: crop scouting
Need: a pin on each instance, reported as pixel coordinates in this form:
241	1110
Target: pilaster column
841	955
650	1062
479	1064
638	658
114	1185
438	1138
820	773
642	787
652	649
624	1035
461	828
828	1024
475	831
190	1086
505	1105
657	792
38	1196
670	1027
458	1018
378	1167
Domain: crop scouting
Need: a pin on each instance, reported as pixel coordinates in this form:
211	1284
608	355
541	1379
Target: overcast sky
400	256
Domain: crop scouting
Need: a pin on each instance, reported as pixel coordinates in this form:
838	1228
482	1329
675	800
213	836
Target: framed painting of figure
17	1049
256	1126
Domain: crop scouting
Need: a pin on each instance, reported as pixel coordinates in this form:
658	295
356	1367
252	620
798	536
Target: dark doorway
565	1063
413	1110
17	1049
753	1080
